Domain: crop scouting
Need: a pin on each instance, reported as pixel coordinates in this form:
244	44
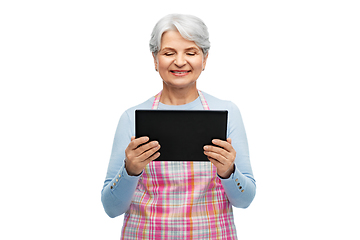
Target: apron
179	200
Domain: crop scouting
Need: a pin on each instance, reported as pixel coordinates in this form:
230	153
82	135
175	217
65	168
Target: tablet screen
182	134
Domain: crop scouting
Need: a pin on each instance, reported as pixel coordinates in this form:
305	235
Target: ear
155	61
205	59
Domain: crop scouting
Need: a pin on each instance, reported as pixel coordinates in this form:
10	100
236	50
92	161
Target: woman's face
179	61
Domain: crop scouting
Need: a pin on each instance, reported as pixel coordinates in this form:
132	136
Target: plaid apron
179	200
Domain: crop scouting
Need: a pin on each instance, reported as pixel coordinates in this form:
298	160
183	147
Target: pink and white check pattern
202	98
179	200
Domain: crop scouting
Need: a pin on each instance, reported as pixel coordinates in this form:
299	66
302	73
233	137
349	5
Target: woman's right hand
138	157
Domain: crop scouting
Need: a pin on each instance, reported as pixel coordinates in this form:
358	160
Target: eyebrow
186	49
192	48
167	48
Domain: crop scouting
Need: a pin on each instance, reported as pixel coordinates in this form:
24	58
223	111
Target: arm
233	163
240	187
122	179
119	187
117	193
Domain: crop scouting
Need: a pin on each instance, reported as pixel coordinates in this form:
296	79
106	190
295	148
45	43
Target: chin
179	85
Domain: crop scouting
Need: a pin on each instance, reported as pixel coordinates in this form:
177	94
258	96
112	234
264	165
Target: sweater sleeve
240	187
119	187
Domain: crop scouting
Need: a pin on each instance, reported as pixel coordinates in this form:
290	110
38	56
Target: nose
180	61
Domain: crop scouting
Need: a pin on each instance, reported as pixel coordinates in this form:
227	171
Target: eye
190	54
169	54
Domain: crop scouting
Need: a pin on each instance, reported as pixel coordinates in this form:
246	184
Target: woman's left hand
223	157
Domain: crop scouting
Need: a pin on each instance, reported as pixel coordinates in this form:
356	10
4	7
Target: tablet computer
182	134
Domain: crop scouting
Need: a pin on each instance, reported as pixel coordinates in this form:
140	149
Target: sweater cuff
123	181
236	179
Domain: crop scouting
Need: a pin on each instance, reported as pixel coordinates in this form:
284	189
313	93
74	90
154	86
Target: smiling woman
182	199
180	63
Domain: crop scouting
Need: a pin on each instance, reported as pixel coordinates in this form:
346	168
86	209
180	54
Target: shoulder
130	113
219	104
215	103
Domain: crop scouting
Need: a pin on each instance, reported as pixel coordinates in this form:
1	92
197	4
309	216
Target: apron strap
201	95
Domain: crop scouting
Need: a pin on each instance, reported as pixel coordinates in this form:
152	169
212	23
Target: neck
171	96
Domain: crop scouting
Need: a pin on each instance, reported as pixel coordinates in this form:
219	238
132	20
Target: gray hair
190	27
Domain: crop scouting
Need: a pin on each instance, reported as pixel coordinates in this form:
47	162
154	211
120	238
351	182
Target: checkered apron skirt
179	200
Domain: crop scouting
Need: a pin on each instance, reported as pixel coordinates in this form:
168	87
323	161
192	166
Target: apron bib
179	200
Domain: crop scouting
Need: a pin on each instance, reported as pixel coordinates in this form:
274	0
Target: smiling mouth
180	72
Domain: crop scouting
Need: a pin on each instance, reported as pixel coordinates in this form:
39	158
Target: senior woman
182	199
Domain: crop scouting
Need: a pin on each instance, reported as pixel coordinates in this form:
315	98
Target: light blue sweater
116	198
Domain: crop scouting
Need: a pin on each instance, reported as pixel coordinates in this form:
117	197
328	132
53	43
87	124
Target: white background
69	69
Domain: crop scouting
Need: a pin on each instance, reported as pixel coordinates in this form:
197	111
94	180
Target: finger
146	147
228	140
218	157
132	138
145	155
152	158
216	163
138	141
218	150
224	144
